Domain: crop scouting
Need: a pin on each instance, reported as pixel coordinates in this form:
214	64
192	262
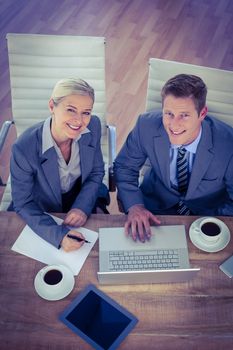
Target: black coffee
53	277
210	229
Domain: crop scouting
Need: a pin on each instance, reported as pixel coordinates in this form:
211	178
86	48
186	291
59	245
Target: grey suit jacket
210	190
36	184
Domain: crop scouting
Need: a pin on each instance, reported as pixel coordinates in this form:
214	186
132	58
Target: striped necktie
183	179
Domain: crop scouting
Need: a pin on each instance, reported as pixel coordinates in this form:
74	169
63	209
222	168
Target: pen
78	238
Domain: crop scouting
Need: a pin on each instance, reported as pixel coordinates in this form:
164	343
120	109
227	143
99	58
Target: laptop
162	259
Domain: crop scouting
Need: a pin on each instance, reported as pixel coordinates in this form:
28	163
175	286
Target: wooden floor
192	31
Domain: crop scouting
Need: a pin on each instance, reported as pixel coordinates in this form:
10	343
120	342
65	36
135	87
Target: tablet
98	319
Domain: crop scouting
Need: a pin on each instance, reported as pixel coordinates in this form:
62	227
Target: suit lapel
50	168
204	156
51	172
161	149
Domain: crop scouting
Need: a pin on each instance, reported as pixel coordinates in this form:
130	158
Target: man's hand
75	217
138	223
70	244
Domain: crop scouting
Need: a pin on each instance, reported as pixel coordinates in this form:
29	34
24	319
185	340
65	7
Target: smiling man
190	156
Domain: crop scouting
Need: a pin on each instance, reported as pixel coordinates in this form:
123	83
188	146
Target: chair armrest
3	137
143	170
4	132
112	156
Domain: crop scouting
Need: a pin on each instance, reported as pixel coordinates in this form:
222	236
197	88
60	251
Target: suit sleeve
127	167
227	208
22	181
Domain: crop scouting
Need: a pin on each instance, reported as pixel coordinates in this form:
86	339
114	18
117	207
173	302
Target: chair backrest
38	61
219	83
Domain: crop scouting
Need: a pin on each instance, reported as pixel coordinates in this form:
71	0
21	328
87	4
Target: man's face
181	120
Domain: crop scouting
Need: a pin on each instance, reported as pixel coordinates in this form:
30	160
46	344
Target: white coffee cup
210	229
53	282
52	275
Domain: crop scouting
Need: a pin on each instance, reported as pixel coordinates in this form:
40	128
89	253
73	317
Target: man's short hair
186	85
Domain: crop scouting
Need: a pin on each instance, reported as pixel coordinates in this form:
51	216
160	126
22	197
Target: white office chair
36	63
219	83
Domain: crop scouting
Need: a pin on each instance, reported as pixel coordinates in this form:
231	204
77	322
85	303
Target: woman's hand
70	244
75	217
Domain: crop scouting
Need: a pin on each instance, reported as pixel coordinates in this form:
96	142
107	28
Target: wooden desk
195	315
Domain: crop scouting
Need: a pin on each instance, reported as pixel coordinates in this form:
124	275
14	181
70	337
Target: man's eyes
168	114
182	116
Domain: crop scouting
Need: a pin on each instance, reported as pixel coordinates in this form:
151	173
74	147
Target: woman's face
70	116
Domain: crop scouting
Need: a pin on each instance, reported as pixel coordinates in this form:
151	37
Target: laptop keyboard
144	260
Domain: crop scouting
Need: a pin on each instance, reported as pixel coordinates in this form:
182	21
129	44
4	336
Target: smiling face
70	116
181	119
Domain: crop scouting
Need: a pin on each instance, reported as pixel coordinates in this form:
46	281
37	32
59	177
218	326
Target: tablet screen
98	319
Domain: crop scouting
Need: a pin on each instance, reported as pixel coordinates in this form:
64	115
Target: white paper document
30	244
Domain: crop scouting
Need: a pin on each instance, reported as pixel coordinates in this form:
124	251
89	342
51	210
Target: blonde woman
57	165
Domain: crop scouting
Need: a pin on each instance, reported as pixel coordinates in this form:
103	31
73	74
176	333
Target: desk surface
191	315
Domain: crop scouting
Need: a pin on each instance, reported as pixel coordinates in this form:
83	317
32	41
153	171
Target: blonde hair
71	86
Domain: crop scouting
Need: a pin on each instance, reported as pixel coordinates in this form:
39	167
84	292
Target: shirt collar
191	147
47	139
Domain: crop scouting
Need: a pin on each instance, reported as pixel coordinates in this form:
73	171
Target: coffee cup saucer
54	292
209	247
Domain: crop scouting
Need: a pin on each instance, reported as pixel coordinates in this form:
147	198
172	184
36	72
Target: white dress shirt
70	172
